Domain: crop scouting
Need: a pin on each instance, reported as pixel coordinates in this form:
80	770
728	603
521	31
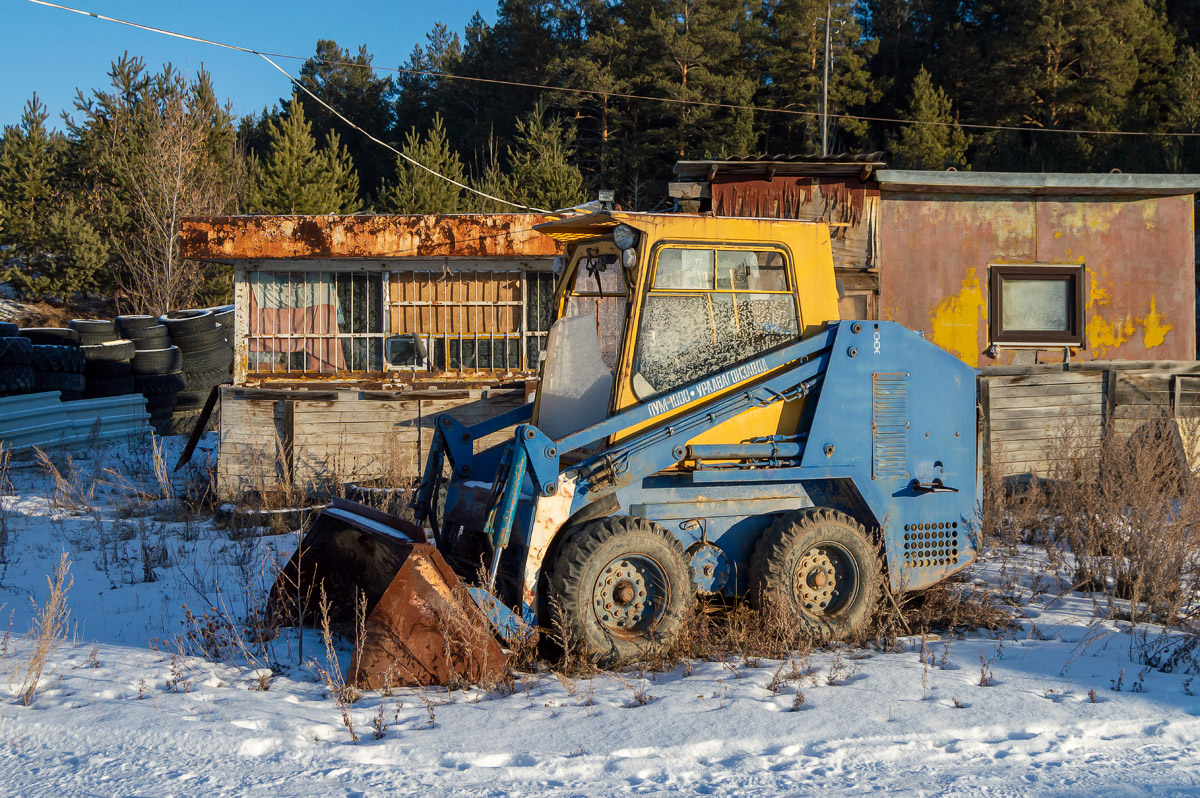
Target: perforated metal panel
889	426
931	544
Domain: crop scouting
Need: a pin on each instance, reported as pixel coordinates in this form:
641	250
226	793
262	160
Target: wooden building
352	332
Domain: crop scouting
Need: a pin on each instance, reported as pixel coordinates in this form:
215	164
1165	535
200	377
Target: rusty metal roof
230	238
1037	183
782	165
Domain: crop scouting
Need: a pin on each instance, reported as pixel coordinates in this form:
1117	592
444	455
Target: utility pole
825	84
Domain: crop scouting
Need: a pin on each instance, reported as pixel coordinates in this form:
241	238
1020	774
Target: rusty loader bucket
413	621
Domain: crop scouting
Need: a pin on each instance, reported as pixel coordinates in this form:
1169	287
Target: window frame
1072	273
532	282
648	289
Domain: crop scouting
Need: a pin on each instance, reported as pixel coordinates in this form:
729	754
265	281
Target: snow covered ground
119	712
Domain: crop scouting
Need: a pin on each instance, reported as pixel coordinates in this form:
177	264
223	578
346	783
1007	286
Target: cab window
708	309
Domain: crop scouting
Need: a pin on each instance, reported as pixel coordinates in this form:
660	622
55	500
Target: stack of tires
207	356
106	366
56	360
16	375
153	366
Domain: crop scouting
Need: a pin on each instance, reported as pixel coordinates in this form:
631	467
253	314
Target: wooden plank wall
254	440
315	444
1034	420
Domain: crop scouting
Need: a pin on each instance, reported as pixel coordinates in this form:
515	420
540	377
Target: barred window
462	320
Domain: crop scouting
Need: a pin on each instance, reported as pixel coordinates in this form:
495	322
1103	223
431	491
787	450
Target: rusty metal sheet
848	203
365	236
1137	253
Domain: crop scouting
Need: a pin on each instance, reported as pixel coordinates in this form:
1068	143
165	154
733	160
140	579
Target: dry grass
1117	515
343	693
48	631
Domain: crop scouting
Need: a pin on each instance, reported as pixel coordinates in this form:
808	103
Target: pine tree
417	191
1183	153
296	178
790	48
937	145
50	247
540	173
350	85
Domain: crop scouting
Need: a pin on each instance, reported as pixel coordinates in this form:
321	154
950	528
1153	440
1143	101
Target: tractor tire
184	323
820	568
157	361
15	351
51	336
116	351
623	587
62	381
191	400
15	380
150	384
9	330
224	316
67	359
201	341
127	323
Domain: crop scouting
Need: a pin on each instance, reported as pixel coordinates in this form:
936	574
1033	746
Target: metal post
825	83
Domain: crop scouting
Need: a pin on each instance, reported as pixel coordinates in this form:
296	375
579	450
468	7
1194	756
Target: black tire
128	323
224	317
182	422
92	326
151	333
9	330
160	404
188	322
58	381
110	386
157	361
149	384
15	351
16	380
101	369
199	341
51	336
191	400
623	587
204	380
113	351
219	359
68	359
95	339
819	567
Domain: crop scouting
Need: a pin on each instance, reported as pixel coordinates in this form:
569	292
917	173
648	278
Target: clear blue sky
51	52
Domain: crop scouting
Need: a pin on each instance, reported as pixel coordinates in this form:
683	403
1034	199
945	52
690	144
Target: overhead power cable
597	93
300	86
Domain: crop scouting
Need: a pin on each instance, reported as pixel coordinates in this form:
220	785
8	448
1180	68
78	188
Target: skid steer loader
703	423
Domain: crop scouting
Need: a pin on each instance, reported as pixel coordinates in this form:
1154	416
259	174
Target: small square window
1036	305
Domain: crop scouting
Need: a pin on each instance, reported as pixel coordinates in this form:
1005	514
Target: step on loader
704	423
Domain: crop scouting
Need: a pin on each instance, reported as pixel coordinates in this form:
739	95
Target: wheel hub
624	600
818	580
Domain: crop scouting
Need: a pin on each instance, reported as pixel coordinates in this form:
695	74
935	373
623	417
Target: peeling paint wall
1138	256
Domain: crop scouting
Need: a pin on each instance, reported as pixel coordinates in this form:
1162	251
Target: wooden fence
1033	416
309	441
